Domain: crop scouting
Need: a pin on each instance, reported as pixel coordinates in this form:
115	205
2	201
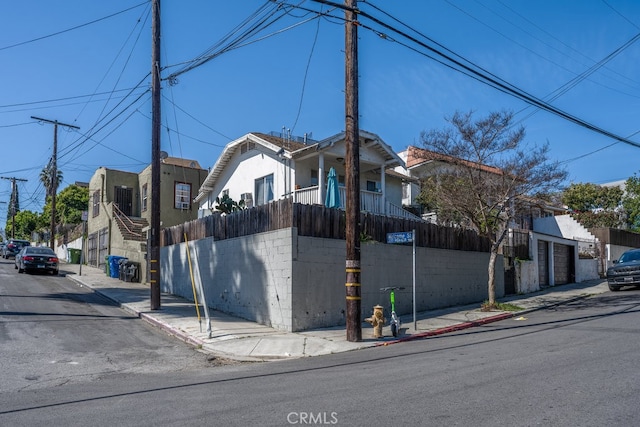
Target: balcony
370	201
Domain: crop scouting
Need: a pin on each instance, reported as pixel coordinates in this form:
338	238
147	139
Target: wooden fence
320	221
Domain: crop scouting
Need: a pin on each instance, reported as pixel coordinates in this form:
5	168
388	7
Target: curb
179	334
452	328
474	323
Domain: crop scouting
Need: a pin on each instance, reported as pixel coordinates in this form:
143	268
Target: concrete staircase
131	227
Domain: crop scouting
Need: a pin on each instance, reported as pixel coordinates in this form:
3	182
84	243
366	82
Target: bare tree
485	172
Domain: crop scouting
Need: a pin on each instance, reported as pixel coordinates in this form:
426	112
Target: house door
543	261
123	198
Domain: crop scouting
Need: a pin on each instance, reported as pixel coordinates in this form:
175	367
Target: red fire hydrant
377	320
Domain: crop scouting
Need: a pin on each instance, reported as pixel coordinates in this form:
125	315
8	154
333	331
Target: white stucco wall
562	226
527	279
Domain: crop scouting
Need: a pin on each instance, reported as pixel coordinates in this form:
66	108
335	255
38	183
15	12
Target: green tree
70	203
594	205
26	223
486	171
631	202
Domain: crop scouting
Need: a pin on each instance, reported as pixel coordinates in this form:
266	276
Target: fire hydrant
377	320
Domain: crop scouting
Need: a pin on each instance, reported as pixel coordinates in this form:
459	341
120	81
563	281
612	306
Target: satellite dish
163	155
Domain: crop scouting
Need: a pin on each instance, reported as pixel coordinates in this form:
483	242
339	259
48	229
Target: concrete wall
587	269
527	279
296	283
249	277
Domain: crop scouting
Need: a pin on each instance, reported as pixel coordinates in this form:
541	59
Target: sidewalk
239	339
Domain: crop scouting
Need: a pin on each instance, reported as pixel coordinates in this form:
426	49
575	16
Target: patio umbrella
333	192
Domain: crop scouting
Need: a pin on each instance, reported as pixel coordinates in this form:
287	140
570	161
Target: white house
259	168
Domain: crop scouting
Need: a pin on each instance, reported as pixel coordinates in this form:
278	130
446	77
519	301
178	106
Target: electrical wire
72	28
240	41
195	119
468	68
306	73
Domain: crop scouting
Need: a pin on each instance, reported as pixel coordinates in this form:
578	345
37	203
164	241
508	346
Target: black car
625	271
37	258
13	247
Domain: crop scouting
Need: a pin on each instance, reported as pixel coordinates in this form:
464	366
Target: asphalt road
55	332
573	365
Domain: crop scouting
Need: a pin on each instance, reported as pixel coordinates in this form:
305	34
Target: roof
227	153
293	148
367	139
185	163
418	156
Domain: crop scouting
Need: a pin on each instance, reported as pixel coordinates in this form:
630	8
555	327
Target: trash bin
106	265
74	256
114	266
131	271
122	268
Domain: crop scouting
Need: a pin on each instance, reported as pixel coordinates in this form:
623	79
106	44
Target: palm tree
45	178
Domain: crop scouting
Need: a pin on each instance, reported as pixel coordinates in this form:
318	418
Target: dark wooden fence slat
320	221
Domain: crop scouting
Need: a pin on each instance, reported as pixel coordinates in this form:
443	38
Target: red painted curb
449	329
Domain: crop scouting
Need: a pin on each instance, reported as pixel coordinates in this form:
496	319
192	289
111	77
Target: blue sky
87	64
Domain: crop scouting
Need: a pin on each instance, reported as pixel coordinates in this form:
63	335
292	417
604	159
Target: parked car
13	247
37	258
625	271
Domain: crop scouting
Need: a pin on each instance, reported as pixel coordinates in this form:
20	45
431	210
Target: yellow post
193	284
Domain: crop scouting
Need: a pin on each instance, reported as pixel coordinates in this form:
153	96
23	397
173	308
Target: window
96	204
314	177
182	195
145	197
373	186
264	190
247	146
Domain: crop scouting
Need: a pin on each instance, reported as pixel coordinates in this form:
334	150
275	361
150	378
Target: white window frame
182	196
264	190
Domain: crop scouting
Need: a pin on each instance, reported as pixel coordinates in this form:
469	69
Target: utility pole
13	202
352	143
154	239
54	174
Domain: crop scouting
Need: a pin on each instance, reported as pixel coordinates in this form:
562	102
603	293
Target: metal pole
415	321
84	230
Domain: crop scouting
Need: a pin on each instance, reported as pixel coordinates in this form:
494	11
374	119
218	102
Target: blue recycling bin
114	265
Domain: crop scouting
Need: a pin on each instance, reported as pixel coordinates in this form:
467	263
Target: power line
473	70
71	29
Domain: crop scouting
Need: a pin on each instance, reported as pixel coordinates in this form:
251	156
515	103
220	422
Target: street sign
407	237
402	237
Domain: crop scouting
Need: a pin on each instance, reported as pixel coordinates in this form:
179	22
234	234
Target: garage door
562	264
543	256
